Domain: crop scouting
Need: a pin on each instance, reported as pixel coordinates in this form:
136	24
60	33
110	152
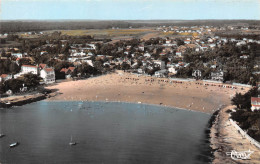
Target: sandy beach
128	87
225	138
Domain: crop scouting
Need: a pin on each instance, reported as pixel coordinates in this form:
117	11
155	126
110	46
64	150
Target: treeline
247	119
227	58
30	81
23	26
239	36
8	66
243	101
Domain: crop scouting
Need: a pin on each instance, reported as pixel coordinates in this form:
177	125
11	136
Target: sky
129	9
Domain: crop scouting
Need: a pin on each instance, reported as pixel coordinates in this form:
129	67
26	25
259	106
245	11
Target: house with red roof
5	77
178	53
29	69
17	61
48	75
42	66
187	41
68	71
255	103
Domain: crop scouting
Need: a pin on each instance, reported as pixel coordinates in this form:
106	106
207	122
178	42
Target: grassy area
109	32
10	43
168	33
180	34
190	34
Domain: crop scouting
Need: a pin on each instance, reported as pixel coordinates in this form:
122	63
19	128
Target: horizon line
2	20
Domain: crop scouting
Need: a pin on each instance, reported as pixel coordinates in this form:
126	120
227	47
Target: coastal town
187	52
196	52
199	68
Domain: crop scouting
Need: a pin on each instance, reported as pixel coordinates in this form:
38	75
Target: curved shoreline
125	87
126	102
224	138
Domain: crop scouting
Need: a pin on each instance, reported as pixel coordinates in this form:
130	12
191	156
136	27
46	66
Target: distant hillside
23	26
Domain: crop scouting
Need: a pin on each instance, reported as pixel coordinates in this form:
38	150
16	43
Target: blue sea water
106	132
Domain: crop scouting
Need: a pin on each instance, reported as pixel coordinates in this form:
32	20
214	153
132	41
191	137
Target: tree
25	61
237	100
2	41
244	101
247	96
12	37
2	88
184	72
180	42
125	66
31	80
98	66
14	68
152	71
164	58
13	84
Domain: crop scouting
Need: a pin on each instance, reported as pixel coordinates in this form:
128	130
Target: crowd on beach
127	87
149	80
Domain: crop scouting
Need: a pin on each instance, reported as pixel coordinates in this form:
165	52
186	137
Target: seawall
21	100
225	137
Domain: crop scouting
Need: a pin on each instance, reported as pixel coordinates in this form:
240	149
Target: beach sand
226	138
128	87
191	95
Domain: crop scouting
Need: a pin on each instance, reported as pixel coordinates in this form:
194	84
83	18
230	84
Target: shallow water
105	133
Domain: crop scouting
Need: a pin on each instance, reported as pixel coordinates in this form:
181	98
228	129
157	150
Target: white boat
8	103
14	144
71	142
2	135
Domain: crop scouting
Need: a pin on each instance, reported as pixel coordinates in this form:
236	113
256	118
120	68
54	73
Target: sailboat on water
71	142
2	135
14	144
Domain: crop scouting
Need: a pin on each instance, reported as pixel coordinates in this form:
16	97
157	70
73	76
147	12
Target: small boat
2	135
72	143
14	144
7	103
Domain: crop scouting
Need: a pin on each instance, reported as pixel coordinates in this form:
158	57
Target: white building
29	69
18	55
172	70
147	55
196	73
140	71
141	48
218	75
78	54
91	46
179	54
48	75
90	54
212	45
168	41
255	102
160	63
240	43
44	52
160	73
89	62
187	41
